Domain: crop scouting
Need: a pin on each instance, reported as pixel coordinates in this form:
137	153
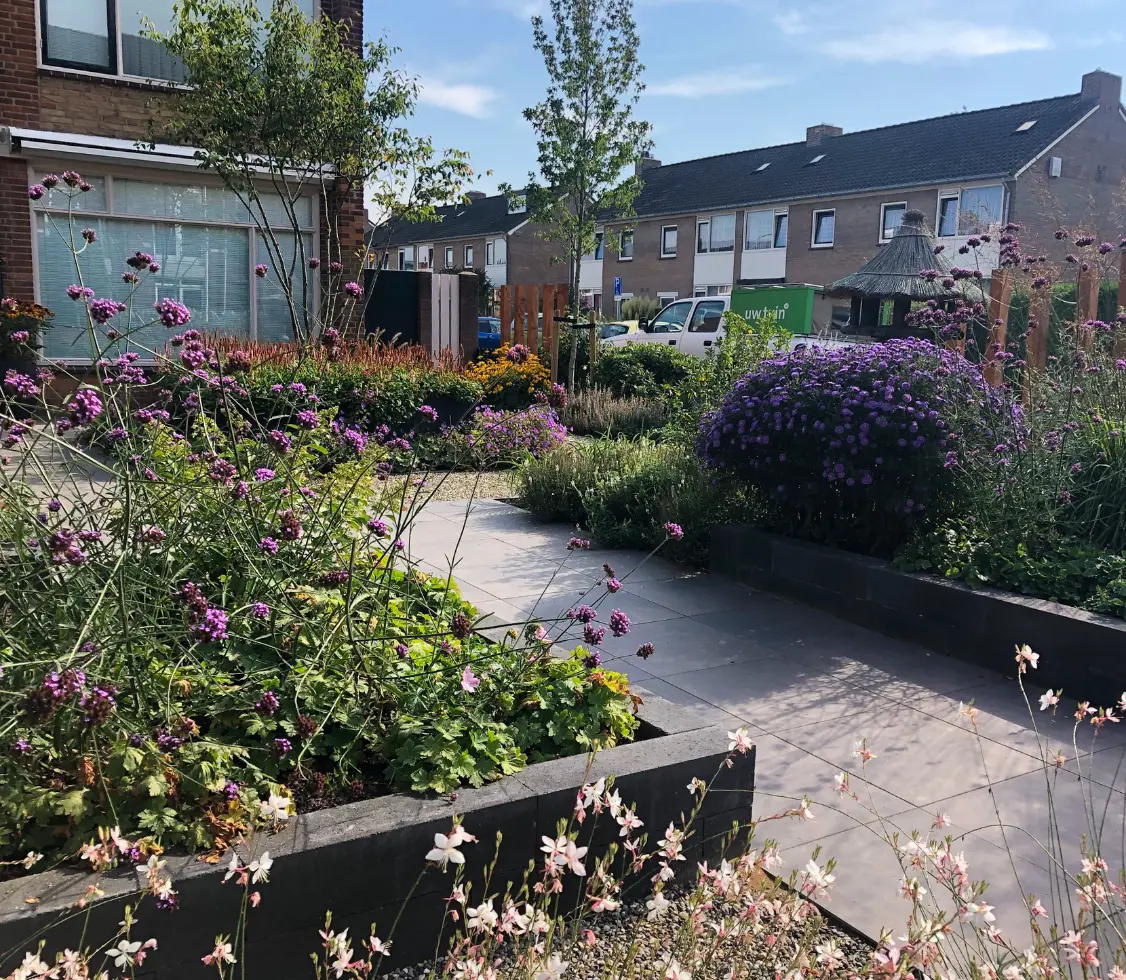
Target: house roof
484	216
894	269
956	148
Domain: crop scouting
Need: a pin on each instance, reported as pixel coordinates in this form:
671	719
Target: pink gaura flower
469	682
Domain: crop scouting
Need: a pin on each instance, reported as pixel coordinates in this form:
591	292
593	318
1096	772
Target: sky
725	75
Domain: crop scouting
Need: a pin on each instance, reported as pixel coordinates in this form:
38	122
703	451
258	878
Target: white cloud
729	82
791	22
966	41
466	99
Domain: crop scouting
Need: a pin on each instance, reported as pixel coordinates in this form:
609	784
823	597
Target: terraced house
487	232
79	87
816	210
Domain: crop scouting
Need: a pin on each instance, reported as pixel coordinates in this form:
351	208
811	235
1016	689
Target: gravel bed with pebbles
486	485
627	939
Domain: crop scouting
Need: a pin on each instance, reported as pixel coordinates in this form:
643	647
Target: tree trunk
573	313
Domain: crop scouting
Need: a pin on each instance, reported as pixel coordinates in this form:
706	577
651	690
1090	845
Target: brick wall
1088	196
856	237
531	260
648	274
19	97
71	103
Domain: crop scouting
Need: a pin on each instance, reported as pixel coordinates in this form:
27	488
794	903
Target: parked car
694	325
488	332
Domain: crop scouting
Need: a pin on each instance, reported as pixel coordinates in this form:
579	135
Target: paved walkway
808	685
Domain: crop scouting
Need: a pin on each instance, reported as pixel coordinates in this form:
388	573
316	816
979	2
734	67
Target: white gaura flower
978	913
1049	699
604	903
940	821
379	947
483	918
123	953
614	802
629	821
1026	658
771	858
573	858
740	741
554	848
33	966
658	905
233	868
674	971
445	851
553	969
30	859
275	808
260	868
829	954
816	880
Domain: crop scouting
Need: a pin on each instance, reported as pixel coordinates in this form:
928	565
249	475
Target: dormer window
1024	127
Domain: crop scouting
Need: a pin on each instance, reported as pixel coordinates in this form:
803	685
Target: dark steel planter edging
1080	651
362	860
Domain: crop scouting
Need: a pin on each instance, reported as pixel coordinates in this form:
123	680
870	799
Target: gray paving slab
807	686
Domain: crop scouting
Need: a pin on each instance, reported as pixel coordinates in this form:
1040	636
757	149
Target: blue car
488	332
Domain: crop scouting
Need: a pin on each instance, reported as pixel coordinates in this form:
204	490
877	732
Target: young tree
283	107
586	135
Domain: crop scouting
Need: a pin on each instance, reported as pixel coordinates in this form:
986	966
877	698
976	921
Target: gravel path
487	485
630	947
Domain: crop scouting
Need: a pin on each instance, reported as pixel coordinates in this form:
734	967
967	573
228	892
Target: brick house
486	232
79	87
817	210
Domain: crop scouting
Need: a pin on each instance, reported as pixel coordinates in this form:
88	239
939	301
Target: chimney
815	134
476	195
647	162
1103	87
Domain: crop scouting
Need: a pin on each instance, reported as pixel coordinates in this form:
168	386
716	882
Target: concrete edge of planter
363	859
1080	651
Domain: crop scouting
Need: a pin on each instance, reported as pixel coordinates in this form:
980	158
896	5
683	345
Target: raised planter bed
1082	652
362	860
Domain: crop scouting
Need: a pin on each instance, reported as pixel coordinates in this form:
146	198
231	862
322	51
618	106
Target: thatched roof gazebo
892	274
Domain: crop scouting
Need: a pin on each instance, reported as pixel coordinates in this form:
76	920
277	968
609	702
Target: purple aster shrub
496	436
851	445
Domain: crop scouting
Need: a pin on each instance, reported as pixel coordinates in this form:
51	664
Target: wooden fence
528	316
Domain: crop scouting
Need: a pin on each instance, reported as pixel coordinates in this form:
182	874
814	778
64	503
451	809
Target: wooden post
1087	307
592	319
505	315
1120	328
1036	343
1000	290
549	324
561	292
519	309
532	299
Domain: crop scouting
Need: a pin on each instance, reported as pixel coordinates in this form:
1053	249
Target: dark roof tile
485	216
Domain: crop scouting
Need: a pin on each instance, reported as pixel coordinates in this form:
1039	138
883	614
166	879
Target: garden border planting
1082	652
362	860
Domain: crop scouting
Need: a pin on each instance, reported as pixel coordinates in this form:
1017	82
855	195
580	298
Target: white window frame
429	249
956	197
710	250
622	236
449	257
884	239
813	243
667	297
403	249
775	214
467	256
666	254
117	71
490	250
977	187
193	178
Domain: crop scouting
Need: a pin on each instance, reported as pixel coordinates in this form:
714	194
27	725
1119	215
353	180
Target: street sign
617	286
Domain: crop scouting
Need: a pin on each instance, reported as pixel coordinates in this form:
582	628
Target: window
596	254
781	229
613	330
707	317
758	230
205	242
816	159
716	234
665	298
490	254
85	35
1024	127
668	242
699	291
468	257
761	167
671	318
890	217
824	228
425	252
980	210
406	259
496	252
449	257
626	252
947	224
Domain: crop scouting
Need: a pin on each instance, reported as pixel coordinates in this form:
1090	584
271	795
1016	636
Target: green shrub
597	412
567	337
643	370
552	488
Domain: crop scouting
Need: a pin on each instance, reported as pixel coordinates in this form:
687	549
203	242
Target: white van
695	324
